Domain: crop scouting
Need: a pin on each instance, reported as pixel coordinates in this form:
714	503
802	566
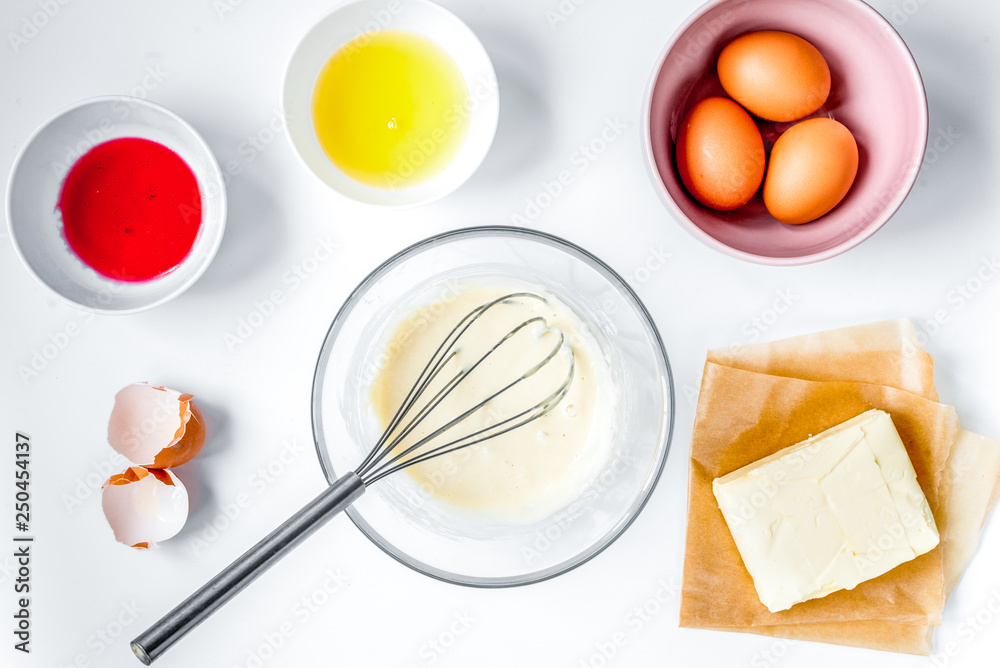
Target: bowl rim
662	450
488	66
218	182
678	215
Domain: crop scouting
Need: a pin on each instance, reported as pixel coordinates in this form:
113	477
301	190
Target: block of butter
828	513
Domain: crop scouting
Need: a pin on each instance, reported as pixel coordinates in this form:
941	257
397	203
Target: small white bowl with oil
359	112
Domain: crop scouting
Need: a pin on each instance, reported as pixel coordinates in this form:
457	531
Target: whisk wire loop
384	459
533	413
446	351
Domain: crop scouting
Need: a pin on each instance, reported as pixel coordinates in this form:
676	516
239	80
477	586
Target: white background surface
560	85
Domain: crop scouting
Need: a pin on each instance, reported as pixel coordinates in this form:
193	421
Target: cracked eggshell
155	426
144	506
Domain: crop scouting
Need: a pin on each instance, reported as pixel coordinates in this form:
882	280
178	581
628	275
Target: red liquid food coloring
131	209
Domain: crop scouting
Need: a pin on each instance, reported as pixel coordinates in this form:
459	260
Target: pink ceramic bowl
876	92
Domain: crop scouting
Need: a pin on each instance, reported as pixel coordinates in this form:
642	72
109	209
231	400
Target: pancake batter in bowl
532	471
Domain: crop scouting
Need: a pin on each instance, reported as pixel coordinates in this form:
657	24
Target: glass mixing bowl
470	547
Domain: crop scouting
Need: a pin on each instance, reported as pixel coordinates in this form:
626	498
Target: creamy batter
536	469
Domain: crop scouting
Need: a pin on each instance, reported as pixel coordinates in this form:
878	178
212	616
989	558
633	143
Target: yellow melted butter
391	109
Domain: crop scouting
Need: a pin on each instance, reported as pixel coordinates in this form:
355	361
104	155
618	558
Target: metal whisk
390	454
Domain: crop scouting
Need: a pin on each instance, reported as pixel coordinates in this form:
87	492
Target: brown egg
720	154
812	166
776	75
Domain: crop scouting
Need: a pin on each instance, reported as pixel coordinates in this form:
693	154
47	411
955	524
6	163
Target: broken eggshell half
144	506
155	426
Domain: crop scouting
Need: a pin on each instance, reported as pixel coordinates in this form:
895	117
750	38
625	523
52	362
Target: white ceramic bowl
419	16
37	177
472	548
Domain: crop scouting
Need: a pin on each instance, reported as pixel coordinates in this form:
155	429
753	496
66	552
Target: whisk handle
155	640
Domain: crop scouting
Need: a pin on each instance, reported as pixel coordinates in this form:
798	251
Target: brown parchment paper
973	484
972	470
870	634
743	416
883	353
